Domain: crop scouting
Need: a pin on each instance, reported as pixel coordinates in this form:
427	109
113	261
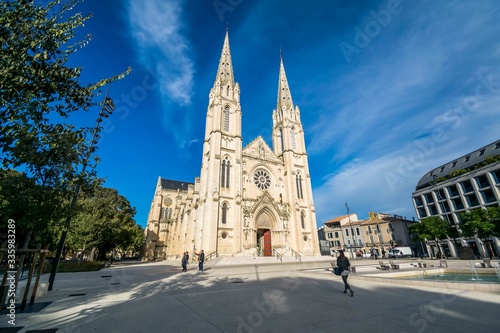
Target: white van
400	252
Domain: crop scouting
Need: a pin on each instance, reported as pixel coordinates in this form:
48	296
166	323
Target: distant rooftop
174	184
464	162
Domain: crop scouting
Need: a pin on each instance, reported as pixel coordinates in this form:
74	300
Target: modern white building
252	200
469	182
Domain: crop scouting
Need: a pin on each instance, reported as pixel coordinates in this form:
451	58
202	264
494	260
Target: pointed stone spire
284	95
225	71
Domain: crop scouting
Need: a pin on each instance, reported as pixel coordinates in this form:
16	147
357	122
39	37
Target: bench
486	263
383	266
421	264
393	265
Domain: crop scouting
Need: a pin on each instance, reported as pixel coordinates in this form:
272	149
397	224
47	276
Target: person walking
345	268
201	260
185	260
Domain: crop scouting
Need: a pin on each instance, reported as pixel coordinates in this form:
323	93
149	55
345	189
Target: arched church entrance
265	222
264	242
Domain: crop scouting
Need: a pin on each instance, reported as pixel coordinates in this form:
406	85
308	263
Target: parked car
400	252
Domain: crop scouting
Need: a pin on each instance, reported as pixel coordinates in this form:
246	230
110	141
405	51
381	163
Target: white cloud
156	26
399	112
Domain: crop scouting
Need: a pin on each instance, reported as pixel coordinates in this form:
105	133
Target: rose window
262	179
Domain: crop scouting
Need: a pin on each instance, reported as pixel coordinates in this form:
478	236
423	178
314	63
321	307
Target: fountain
496	266
473	269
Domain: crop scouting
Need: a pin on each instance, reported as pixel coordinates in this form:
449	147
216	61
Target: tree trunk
92	254
81	255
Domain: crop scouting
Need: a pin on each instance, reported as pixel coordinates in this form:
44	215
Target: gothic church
248	201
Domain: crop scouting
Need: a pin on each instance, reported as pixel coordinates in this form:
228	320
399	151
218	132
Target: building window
418	201
496	176
450	219
225	173
347	232
453	191
292	134
298	181
440	194
224	213
303	219
282	141
330	235
467	158
432	209
357	232
488	196
336	234
262	179
472	200
444	206
467	186
429	198
454	164
224	235
481	152
457	203
226	118
482	181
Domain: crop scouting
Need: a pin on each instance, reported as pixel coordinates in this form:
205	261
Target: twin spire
284	95
225	71
225	76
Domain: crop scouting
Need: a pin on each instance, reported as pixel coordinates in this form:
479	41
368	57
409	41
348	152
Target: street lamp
107	108
350	225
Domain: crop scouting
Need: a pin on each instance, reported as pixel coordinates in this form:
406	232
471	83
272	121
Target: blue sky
387	89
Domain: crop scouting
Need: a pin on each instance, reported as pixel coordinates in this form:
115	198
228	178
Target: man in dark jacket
201	260
185	260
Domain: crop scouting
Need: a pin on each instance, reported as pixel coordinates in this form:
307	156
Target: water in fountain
473	270
496	266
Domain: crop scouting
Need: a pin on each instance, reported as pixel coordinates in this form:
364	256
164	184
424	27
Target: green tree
104	219
481	223
432	227
38	92
129	241
29	204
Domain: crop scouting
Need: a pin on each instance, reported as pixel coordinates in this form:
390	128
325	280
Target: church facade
252	201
